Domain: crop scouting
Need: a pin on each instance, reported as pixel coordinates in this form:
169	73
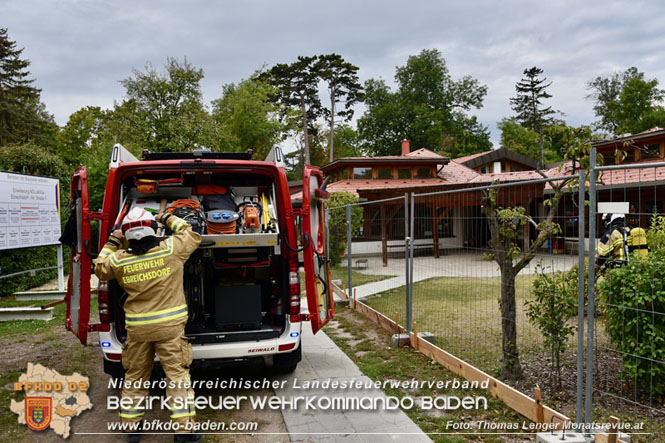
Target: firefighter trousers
175	356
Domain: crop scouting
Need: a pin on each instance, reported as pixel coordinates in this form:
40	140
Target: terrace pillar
384	236
435	232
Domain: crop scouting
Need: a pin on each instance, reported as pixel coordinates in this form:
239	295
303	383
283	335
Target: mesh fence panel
378	256
629	327
461	285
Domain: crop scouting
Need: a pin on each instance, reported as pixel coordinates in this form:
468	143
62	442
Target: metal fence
432	259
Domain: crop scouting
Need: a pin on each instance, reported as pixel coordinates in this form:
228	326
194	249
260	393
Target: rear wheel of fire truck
287	362
114	369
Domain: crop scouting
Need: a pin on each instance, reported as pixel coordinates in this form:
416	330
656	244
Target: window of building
403	173
485	170
515	168
609	158
651	151
629	156
362	172
424	173
344	174
385	173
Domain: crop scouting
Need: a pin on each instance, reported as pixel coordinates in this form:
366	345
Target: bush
337	223
634	300
554	303
33	160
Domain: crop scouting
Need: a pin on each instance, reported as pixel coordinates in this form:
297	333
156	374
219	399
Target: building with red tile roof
424	171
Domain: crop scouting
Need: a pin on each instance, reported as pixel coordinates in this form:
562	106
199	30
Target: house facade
455	220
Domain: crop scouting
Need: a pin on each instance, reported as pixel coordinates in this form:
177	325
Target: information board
29	211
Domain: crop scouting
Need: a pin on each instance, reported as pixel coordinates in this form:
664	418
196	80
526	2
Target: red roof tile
358	185
455	173
423	153
470	157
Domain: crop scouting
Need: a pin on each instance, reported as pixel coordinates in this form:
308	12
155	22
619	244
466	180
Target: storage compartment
236	282
238	308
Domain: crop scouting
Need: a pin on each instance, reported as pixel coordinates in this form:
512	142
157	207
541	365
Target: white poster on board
29	211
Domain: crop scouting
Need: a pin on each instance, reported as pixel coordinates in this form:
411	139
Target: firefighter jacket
612	247
155	308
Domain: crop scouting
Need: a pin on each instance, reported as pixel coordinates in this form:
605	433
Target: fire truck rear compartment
230	300
236	282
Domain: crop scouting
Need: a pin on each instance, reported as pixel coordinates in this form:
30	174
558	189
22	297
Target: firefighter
613	246
151	272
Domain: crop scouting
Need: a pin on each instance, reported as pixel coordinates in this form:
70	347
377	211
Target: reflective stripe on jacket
612	246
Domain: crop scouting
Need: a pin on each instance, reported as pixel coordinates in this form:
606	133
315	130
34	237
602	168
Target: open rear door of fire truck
78	287
315	253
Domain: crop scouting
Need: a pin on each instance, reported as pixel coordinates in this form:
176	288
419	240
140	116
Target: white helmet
616	217
138	224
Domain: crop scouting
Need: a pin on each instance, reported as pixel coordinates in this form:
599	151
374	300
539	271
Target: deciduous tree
506	221
165	109
627	102
428	107
248	116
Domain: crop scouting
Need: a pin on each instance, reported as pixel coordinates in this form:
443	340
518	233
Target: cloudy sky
80	49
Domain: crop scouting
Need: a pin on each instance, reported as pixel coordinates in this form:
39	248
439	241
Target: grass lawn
369	348
464	315
22	329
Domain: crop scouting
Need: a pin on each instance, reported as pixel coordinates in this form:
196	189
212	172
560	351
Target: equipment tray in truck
238	240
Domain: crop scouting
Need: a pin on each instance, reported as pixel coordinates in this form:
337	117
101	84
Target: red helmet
138	224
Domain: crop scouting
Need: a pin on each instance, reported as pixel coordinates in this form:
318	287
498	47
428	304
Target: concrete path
467	265
323	360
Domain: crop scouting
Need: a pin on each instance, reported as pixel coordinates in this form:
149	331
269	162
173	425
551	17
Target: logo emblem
38	412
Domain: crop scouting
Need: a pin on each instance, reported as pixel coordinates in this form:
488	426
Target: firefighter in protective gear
613	249
151	272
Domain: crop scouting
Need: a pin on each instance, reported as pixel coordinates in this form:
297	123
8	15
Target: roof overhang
500	154
628	138
361	161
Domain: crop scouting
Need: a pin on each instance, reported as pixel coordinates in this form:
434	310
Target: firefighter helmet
138	224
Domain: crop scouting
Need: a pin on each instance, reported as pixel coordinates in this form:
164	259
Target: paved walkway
323	360
454	264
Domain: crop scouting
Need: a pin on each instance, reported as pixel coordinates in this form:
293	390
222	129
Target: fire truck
242	285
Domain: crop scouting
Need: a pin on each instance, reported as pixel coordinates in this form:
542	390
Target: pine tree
341	78
528	104
297	93
23	117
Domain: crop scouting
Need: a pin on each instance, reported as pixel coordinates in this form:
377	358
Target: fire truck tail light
294	291
103	299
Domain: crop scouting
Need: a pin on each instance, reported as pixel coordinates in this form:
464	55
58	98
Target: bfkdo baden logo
51	399
38	412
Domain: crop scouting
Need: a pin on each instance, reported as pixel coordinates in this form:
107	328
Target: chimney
406	147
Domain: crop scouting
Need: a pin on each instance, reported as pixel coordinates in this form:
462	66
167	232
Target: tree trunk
510	366
305	129
541	162
332	125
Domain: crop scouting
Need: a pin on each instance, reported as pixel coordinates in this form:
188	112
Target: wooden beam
337	290
516	400
519	402
378	318
601	437
538	397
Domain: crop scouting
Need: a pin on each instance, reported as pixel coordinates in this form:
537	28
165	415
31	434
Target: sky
80	49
